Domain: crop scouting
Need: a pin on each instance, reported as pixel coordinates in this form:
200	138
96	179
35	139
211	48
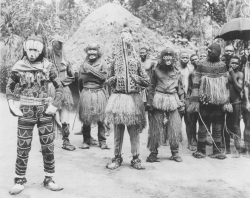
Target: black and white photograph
125	99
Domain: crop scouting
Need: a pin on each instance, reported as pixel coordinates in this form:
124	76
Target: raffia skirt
67	100
127	109
166	102
92	106
164	121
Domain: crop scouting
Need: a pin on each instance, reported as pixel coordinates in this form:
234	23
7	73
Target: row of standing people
170	97
216	95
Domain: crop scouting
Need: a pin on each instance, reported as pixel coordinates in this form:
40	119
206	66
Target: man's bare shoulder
239	74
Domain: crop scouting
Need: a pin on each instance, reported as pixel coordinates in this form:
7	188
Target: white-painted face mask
127	37
33	49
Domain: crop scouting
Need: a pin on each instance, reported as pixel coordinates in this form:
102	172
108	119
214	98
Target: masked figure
125	106
28	84
209	94
93	98
166	97
67	76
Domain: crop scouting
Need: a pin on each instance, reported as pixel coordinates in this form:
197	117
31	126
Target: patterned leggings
34	115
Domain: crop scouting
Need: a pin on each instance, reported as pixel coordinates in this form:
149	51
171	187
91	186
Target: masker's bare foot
191	148
236	155
247	154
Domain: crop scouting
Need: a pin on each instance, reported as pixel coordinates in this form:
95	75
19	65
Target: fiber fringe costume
210	81
28	84
93	98
125	105
164	120
66	76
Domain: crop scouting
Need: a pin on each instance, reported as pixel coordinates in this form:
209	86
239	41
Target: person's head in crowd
194	59
214	51
57	43
203	55
166	61
234	63
143	53
184	58
229	51
223	58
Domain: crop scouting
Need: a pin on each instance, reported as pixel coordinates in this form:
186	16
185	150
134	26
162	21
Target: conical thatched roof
104	26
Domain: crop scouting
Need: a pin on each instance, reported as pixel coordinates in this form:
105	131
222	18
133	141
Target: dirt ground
82	173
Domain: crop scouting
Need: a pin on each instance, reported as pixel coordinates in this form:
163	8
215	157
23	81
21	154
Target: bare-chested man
148	65
229	52
191	118
186	70
235	79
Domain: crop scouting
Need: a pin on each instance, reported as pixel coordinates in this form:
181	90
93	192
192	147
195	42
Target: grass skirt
159	132
127	109
166	102
67	100
92	106
215	89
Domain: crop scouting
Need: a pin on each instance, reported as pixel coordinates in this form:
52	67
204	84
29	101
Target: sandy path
82	173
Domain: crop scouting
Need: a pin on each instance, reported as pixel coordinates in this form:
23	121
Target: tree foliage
168	16
217	11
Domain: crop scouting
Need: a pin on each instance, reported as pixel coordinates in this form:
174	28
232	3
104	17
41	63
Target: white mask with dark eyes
127	37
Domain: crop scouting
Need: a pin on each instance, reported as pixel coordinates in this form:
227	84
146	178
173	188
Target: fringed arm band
11	84
151	90
194	99
111	79
70	70
58	86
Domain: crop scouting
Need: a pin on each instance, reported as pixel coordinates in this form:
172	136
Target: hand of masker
248	106
51	110
112	79
181	109
15	111
149	107
135	78
204	99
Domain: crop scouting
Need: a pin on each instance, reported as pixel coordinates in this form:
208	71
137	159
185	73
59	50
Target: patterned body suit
125	106
210	80
28	83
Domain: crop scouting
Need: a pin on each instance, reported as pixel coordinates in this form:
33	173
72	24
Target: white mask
127	37
33	49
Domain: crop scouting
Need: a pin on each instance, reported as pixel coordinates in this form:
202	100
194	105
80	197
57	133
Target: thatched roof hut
104	26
